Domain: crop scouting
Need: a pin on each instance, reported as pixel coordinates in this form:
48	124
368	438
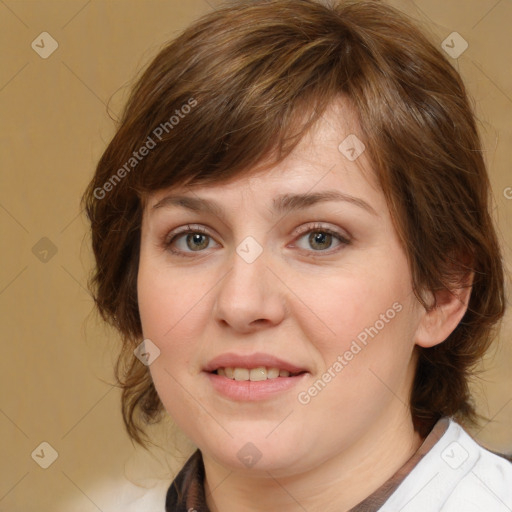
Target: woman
293	215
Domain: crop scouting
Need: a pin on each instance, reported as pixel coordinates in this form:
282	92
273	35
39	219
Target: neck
338	484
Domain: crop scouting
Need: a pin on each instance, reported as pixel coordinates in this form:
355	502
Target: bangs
246	144
243	96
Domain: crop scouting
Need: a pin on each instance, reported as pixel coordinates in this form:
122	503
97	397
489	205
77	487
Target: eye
196	239
320	239
189	239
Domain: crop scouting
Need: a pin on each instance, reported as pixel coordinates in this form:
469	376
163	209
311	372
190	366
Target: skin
299	303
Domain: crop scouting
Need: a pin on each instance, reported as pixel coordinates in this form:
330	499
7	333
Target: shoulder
457	474
488	483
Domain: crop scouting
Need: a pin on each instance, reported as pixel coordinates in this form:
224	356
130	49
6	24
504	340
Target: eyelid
342	239
170	237
316	226
186	229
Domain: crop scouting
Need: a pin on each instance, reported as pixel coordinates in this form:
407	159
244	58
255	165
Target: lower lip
248	391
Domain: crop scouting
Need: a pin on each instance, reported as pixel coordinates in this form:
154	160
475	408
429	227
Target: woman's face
299	269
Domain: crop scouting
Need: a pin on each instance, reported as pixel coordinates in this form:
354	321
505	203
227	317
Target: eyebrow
283	203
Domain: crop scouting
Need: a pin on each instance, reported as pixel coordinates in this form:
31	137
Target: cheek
167	299
174	309
362	303
361	333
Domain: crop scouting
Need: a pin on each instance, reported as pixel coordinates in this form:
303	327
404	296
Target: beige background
56	356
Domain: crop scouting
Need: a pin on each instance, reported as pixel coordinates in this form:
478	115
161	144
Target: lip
231	360
250	391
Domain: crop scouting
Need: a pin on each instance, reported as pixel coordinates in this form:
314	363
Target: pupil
320	240
196	241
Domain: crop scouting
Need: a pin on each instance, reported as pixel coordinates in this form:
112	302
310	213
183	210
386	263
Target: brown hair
246	82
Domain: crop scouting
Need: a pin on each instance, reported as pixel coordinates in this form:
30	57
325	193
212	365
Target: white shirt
456	475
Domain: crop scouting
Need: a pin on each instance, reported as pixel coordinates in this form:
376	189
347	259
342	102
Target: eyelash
300	233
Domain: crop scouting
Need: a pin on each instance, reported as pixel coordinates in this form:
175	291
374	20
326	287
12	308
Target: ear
439	321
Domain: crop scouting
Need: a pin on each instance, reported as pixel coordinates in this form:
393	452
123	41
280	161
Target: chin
254	453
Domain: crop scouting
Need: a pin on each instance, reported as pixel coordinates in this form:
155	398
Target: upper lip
230	360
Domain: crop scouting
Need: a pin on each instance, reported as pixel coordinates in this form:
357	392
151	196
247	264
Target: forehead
331	156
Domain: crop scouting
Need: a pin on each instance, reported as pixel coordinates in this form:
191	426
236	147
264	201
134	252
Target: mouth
259	365
255	374
254	384
247	378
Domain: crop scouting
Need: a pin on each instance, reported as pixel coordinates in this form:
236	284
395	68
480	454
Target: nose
249	297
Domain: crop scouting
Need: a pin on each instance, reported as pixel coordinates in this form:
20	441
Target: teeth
258	374
253	374
272	373
241	373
